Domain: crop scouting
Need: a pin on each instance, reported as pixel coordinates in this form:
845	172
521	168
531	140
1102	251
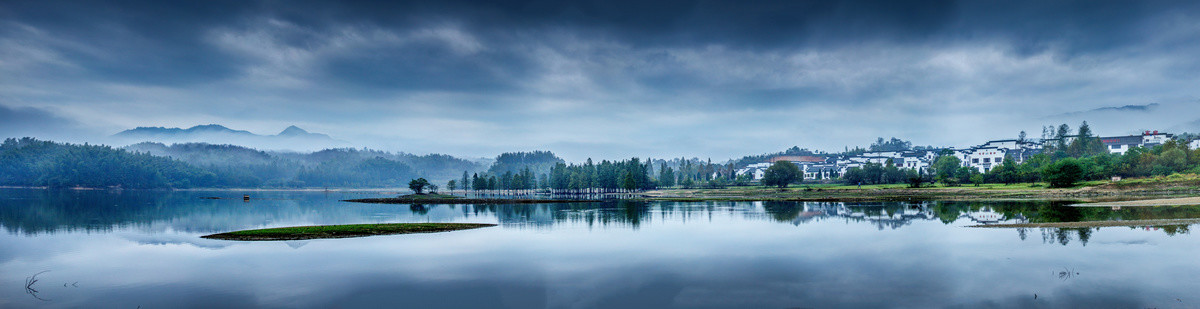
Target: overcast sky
601	79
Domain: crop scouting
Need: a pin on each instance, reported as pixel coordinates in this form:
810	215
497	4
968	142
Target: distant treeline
520	171
607	176
32	162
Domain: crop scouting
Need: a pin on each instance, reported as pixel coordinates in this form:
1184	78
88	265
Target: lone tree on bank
945	169
781	174
1063	173
418	185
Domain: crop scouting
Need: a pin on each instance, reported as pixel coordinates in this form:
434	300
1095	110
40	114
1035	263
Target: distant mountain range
1143	108
291	138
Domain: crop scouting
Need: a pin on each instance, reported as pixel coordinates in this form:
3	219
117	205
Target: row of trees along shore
528	172
1065	160
588	178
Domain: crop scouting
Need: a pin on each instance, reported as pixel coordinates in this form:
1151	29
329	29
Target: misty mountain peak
216	128
293	131
207	127
291	138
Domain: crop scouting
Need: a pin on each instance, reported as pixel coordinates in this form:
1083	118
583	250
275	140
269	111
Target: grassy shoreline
342	231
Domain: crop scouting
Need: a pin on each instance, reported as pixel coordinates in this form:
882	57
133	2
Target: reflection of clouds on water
296	244
1106	297
681	255
152	296
1129	242
175	239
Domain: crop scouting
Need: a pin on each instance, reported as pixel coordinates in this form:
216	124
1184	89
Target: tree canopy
782	173
418	185
945	168
894	144
1063	173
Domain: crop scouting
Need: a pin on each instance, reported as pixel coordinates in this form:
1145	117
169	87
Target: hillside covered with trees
32	162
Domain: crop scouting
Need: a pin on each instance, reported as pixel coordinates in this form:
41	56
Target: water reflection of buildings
886	214
882	214
990	216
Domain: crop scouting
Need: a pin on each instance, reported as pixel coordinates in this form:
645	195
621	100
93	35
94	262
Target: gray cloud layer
606	78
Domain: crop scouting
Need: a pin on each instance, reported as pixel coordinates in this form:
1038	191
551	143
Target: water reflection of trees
615	213
33	212
38	211
783	211
1062	236
898	214
883	215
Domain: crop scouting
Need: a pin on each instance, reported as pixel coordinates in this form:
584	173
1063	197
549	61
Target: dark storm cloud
767	23
33	122
1082	24
149	42
156	42
787	68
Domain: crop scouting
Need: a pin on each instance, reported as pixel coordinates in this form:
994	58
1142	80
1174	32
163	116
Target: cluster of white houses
983	157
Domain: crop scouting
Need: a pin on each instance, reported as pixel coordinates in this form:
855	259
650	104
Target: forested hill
431	166
31	162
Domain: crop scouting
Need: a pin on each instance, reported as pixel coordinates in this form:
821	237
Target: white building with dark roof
984	158
1121	144
756	171
819	171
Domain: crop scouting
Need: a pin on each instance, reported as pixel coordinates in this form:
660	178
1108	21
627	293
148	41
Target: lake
130	249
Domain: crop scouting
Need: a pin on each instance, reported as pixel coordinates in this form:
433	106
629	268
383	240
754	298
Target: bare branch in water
1066	273
29	281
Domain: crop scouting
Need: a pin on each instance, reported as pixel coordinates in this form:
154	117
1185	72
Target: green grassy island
343	231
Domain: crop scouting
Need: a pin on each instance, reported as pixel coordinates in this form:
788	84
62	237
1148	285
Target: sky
601	79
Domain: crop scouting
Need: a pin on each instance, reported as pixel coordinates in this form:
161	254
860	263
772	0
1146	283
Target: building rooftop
797	159
1122	140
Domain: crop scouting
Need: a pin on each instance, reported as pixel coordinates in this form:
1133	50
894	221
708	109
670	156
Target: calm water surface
129	249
